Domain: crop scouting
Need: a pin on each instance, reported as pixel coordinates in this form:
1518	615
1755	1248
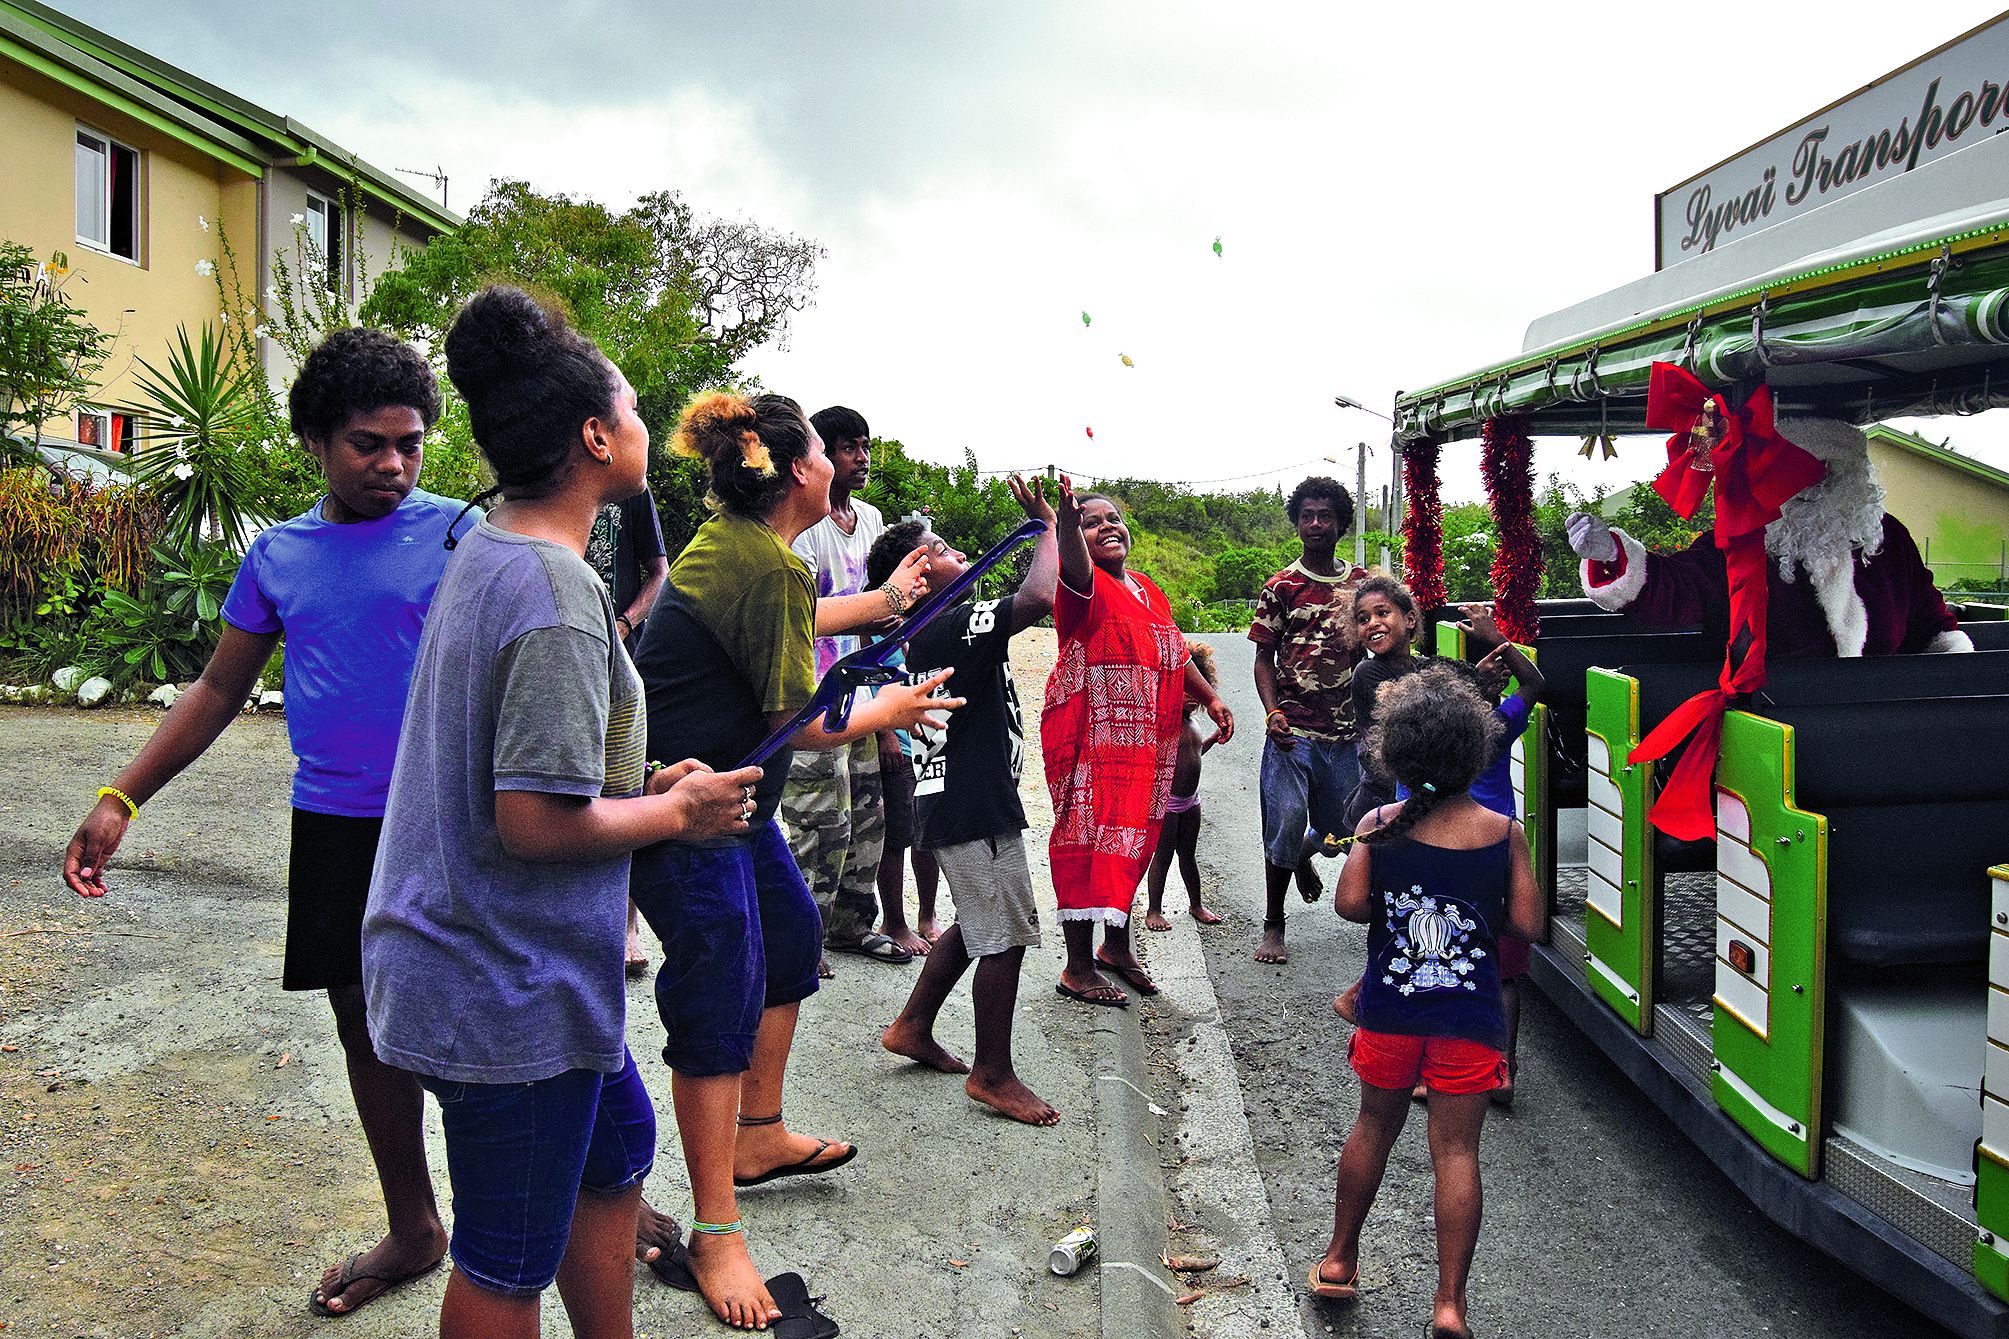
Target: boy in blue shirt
347	584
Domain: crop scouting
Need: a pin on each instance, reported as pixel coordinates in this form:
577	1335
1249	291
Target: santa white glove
1590	537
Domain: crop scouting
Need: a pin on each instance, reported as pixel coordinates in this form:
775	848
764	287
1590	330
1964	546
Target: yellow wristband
132	810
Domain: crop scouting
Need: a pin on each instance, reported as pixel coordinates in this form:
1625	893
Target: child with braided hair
1437	877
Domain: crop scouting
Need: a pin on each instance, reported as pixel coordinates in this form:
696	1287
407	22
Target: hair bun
718	425
501	333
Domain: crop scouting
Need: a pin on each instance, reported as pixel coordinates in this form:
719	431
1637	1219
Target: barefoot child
1438	878
1181	833
968	814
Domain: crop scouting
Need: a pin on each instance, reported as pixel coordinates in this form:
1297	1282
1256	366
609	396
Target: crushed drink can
1072	1251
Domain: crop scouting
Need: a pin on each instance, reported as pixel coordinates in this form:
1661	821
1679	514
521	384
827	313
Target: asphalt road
1601	1218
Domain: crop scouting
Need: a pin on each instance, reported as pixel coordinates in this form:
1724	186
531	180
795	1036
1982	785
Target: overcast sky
1398	192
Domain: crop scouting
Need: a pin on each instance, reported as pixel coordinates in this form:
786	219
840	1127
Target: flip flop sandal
635	968
348	1276
799	1317
1121	1001
878	948
809	1166
673	1267
1333	1292
1140	980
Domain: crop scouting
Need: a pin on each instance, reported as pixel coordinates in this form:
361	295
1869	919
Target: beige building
1956	508
137	173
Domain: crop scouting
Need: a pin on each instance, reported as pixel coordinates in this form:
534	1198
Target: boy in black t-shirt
967	812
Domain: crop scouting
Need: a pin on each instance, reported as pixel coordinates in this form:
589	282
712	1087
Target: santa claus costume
1843	577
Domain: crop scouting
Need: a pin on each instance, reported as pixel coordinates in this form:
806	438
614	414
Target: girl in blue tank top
1437	878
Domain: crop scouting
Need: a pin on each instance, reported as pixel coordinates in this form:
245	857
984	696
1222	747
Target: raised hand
910	578
1031	498
1590	537
1479	623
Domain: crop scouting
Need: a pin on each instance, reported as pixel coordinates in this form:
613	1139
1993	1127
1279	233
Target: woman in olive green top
727	656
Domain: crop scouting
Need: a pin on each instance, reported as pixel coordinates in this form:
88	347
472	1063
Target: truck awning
1907	315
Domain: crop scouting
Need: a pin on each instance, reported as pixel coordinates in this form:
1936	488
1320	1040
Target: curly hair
1331	490
1433	733
359	371
530	381
891	549
747	447
1203	656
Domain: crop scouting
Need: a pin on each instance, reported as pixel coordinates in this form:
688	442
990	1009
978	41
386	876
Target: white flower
205	268
202	222
271	293
259	331
184	470
297	220
223	317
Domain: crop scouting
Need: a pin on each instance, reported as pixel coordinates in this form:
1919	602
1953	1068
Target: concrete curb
1132	1206
1218	1183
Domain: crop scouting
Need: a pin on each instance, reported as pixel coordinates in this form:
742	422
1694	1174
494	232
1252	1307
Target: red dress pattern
1109	736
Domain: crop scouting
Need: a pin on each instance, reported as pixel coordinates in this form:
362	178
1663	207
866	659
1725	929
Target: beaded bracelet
132	810
894	599
718	1229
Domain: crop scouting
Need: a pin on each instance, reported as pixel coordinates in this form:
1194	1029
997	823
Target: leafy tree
675	299
1239	574
49	353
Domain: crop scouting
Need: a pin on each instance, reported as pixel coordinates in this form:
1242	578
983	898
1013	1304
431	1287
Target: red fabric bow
1755	472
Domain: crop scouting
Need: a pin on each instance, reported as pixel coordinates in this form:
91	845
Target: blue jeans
517	1156
1304	788
740	934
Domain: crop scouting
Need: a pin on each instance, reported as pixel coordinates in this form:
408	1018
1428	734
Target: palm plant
200	415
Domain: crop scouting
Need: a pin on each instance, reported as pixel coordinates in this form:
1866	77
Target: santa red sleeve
1663	589
1928	624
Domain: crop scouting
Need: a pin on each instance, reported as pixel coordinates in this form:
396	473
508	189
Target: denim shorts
1305	788
740	934
517	1156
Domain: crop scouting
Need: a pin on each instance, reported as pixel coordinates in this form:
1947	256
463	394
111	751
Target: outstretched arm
190	727
1034	599
1077	570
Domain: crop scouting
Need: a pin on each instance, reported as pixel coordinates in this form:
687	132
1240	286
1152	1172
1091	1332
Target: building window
104	430
326	233
108	195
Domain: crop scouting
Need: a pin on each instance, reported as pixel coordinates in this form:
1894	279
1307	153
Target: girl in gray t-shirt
492	947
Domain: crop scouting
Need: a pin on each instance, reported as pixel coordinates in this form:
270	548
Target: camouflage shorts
835	810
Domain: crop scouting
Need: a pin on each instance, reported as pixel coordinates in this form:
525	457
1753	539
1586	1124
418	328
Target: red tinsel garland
1508	463
1423	525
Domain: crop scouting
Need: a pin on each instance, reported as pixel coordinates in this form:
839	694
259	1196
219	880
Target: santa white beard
1822	528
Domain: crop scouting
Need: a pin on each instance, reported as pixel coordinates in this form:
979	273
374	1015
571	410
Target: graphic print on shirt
930	751
1433	943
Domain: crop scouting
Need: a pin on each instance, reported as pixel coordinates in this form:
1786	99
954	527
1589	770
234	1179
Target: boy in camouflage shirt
1304	675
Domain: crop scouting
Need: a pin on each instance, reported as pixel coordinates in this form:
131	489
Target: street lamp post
1395	489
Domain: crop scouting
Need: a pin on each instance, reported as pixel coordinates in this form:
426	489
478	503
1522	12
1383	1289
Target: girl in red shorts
1437	878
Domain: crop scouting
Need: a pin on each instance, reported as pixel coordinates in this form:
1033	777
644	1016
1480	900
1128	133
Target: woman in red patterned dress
1109	735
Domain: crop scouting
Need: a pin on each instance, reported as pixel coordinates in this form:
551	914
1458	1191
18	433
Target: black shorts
327	886
898	785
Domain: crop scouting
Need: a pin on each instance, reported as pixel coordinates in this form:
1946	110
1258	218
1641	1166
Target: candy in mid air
1087	320
1217	246
1090	432
1126	360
